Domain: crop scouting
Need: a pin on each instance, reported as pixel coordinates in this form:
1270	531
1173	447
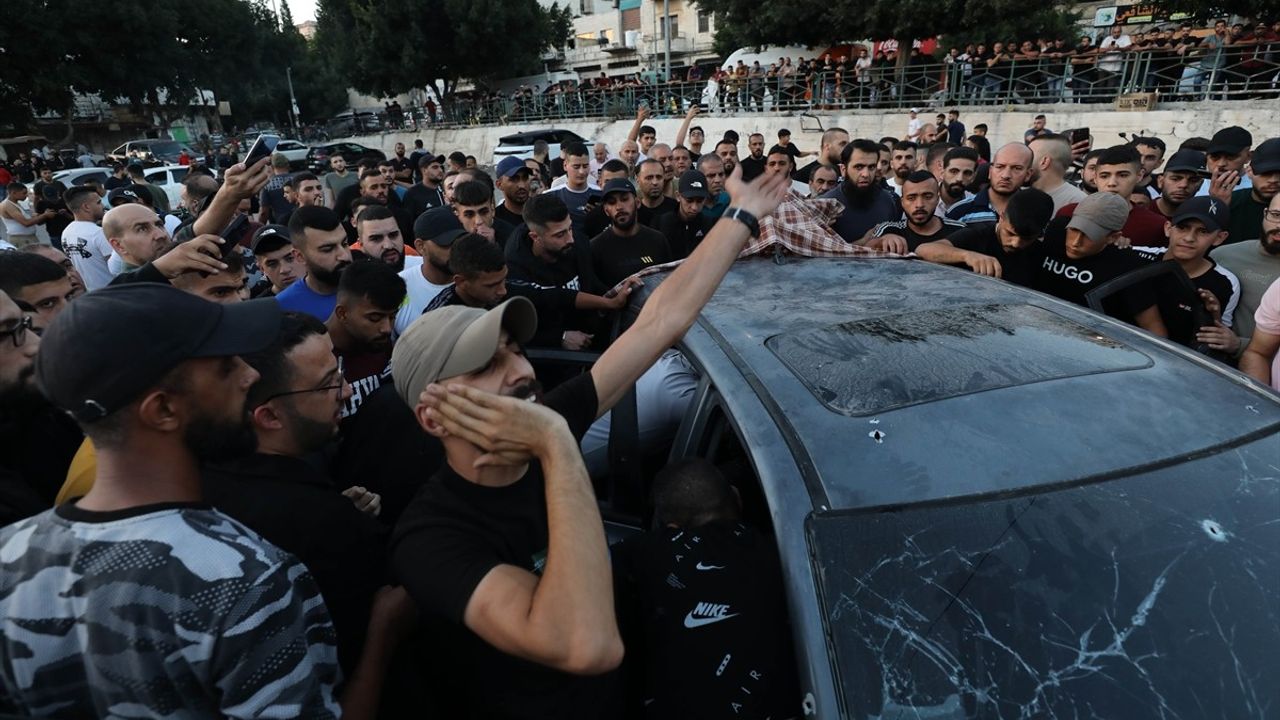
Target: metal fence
1235	73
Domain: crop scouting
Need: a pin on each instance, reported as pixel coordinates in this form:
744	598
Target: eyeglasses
19	332
1273	215
337	388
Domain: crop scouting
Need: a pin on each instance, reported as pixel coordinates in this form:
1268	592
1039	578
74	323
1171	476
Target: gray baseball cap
455	340
1099	215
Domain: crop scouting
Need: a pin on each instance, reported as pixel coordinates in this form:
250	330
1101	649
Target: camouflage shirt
172	611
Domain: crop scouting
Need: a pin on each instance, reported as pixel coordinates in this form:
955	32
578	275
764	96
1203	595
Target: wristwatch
744	217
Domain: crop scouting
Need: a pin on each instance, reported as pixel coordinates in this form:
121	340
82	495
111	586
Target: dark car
989	503
352	123
318	157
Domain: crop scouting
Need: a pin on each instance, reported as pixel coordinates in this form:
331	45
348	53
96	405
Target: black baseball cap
1266	157
693	184
123	196
137	333
1187	161
1230	140
1029	212
269	238
438	225
618	185
1214	213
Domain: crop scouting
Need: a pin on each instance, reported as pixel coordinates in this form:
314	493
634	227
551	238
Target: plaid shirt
801	227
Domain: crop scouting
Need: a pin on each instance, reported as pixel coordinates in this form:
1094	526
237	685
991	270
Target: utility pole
293	100
666	31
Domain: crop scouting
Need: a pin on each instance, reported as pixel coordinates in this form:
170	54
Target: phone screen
262	147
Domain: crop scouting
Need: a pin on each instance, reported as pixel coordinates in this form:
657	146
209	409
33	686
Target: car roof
900	381
528	137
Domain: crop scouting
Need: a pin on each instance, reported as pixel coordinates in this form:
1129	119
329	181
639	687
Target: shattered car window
871	366
1156	596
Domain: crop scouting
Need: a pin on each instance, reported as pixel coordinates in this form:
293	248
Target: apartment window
704	22
586	7
672	22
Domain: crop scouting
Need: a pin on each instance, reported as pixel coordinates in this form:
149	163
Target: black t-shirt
703	610
1070	280
903	229
419	199
682	237
1177	306
449	538
507	215
1017	268
399	164
617	258
649	216
751	168
114	182
346	196
294	506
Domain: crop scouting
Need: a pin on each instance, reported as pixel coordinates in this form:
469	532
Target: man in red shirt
1119	170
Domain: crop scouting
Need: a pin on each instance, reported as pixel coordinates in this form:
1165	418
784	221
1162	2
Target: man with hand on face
920	223
380	238
866	203
1004	249
1228	154
473	204
510	554
627	247
513	179
279	262
228	285
318	236
1249	204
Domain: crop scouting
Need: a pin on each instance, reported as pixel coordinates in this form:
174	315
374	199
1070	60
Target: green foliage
387	47
744	23
156	55
1212	9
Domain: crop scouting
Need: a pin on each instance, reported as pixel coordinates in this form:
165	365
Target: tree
386	47
1207	9
828	22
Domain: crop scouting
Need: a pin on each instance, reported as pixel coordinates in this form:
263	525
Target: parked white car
295	151
169	178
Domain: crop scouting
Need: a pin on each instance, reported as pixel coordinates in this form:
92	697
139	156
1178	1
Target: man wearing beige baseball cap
505	546
1079	254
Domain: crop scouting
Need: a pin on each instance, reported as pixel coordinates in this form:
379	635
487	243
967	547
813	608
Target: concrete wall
1171	123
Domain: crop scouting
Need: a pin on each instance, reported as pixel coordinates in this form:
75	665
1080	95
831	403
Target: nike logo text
700	566
707	613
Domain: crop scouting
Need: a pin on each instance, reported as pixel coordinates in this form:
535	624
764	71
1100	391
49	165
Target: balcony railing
1243	74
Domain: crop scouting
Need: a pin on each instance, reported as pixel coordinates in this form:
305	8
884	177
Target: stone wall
1172	123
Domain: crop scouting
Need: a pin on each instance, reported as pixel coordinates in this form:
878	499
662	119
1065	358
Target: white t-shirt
421	292
913	127
1110	59
88	249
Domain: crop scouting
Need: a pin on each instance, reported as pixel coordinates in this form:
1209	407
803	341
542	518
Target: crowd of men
283	450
